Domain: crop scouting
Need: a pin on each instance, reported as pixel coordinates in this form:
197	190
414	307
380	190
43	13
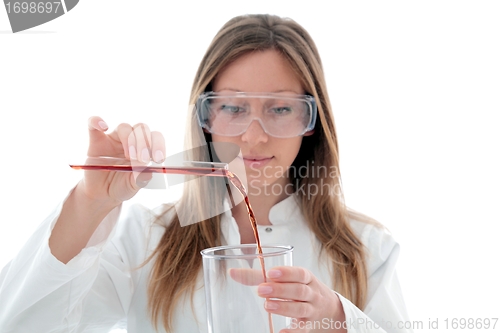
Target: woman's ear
309	133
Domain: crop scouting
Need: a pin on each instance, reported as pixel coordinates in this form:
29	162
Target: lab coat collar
283	212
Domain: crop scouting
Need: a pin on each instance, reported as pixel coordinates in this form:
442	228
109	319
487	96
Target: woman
84	272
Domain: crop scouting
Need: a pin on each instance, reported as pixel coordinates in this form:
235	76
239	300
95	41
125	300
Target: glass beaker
234	306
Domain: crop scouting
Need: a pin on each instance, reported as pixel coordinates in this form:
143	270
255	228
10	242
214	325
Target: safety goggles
280	115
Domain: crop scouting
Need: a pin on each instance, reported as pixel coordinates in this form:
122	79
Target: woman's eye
282	110
231	109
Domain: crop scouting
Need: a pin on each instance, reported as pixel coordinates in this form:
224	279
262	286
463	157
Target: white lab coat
102	287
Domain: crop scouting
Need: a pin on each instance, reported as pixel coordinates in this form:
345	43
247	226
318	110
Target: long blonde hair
177	259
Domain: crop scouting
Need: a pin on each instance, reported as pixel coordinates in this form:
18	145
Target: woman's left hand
313	306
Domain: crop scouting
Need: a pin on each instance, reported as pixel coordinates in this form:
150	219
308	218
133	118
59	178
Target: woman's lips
256	162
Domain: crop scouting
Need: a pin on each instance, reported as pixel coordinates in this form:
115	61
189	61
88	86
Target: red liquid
251	216
196	171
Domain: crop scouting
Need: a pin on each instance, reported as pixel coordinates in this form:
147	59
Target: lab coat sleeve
90	293
385	310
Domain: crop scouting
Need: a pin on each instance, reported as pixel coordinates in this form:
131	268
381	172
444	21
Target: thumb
96	123
97	127
142	179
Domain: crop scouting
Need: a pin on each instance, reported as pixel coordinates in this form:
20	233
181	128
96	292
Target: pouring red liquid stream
196	171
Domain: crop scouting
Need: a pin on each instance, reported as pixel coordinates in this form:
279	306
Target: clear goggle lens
280	115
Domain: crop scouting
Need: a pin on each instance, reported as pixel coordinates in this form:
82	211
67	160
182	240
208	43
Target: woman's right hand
137	144
99	192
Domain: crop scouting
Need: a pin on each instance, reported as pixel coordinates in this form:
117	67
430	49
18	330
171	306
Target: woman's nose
255	133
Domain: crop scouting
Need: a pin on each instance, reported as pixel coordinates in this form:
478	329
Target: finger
122	133
158	147
247	276
96	123
291	291
142	179
289	308
101	143
97	127
142	138
290	274
126	134
157	151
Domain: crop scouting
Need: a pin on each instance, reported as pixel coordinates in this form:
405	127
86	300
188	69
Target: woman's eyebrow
272	92
230	89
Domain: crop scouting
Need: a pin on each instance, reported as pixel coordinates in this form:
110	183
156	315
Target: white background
415	90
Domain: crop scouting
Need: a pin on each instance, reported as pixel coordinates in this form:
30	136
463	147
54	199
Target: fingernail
264	290
271	305
142	183
103	125
145	155
131	152
274	273
159	156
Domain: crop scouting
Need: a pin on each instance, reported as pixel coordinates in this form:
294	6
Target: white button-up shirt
102	287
